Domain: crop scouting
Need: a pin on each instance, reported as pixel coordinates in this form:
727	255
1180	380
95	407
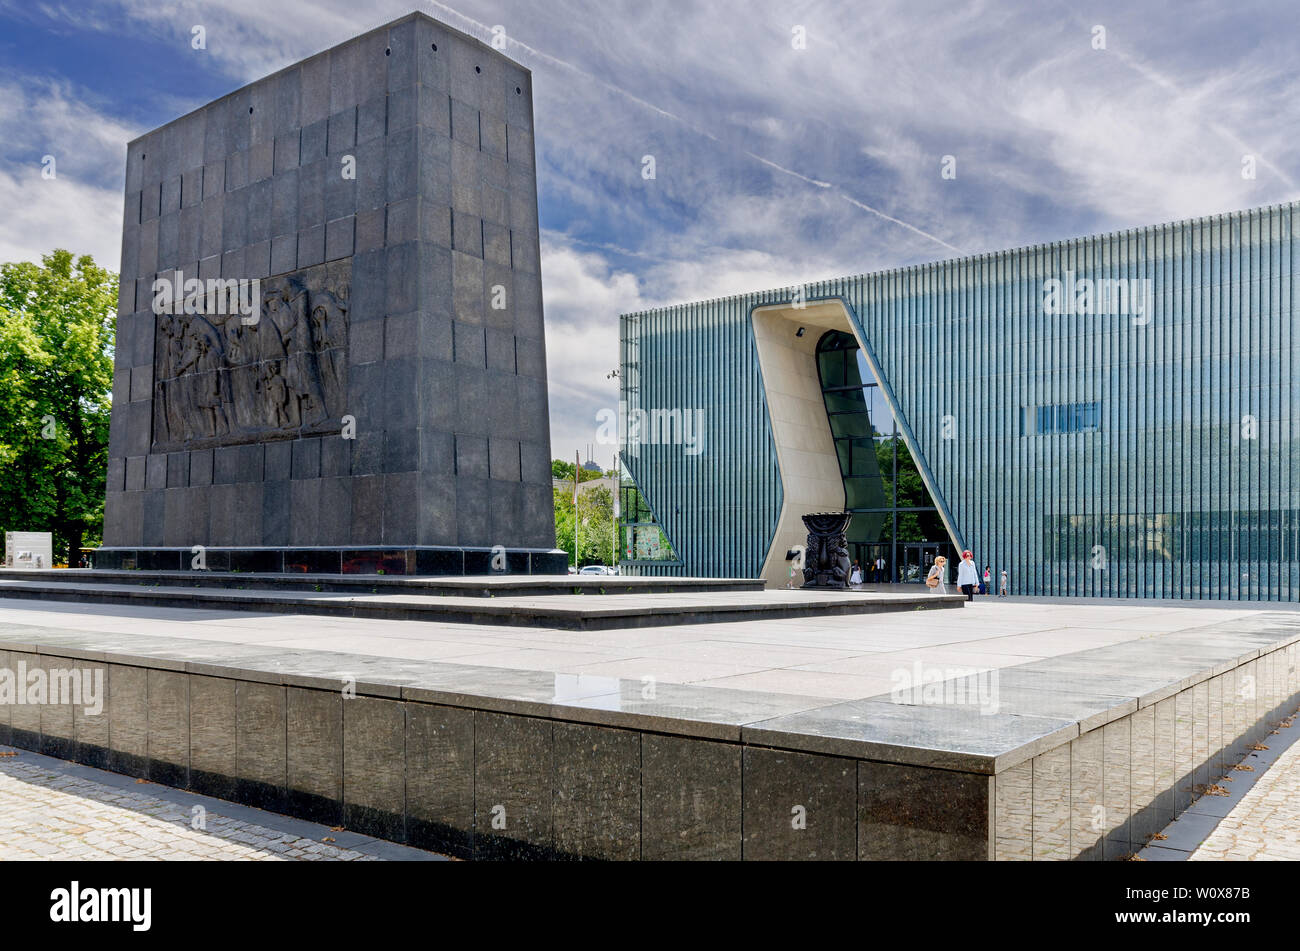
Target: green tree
564	470
596	524
56	379
912	526
564	521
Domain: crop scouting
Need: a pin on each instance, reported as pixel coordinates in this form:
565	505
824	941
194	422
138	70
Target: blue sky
774	165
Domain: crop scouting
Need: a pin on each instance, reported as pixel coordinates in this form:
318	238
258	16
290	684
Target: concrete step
470	586
577	612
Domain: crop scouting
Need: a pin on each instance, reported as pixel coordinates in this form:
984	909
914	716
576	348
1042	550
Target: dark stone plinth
826	562
486	762
339	561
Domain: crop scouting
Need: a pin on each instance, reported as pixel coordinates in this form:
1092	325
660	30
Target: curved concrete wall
805	450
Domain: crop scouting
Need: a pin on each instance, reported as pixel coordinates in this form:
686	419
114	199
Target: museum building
1103	416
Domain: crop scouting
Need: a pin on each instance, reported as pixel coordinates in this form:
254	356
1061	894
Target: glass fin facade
896	532
1106	416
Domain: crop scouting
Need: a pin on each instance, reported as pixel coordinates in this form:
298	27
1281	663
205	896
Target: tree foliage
56	378
912	526
564	470
596	524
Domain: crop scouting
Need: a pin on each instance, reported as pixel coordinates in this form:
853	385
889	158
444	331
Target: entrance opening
896	531
917	557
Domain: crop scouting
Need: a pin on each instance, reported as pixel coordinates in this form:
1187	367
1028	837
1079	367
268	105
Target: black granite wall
448	391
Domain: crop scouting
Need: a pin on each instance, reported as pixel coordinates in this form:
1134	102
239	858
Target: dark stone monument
330	351
826	561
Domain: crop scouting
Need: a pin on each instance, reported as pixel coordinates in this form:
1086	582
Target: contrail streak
618	90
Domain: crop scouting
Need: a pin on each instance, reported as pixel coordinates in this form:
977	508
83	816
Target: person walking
986	583
937	580
967	577
1003	587
855	577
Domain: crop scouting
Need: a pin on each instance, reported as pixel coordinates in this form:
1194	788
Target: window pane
831	365
863	492
881	416
864	374
851	424
847	401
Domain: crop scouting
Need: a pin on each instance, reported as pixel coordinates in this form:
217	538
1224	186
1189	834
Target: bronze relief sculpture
222	379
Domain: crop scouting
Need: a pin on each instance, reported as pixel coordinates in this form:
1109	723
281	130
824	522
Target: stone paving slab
549	680
52	809
1253	812
858	656
1265	824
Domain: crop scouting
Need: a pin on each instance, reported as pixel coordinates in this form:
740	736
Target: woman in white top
967	575
937	580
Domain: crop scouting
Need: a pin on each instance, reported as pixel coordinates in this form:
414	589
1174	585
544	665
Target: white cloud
80	208
41	215
583	297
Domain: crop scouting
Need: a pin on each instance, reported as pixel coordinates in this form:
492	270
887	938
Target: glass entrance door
918	557
876	563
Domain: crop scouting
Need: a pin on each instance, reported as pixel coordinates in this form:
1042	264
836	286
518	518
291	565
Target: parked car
593	570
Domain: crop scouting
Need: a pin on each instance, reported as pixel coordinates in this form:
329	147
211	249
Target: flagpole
617	511
577	464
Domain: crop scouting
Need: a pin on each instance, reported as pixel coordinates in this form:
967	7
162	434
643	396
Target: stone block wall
431	248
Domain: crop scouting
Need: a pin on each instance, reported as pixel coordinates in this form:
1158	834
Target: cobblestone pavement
1265	825
52	809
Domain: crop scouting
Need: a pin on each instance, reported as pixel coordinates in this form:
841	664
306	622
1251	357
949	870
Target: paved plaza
837	658
1266	824
52	809
1253	815
556	713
